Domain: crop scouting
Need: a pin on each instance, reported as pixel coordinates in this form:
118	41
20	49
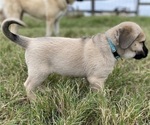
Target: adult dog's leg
49	26
56	27
13	12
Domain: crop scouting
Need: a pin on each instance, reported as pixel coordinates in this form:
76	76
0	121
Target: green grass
69	101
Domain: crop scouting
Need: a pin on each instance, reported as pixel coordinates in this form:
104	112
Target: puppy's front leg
96	84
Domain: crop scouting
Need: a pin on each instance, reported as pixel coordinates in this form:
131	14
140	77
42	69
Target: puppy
49	10
92	58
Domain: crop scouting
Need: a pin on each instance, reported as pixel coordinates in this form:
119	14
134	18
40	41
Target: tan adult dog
92	58
2	17
50	10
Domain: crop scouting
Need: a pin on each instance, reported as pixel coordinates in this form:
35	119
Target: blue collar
113	48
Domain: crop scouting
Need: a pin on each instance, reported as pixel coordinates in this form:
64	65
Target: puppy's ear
127	36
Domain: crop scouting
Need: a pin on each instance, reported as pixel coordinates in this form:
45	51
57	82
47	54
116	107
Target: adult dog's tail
20	40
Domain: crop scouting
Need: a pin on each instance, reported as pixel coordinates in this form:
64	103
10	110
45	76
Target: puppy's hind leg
33	81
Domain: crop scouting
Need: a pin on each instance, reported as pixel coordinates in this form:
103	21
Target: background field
69	101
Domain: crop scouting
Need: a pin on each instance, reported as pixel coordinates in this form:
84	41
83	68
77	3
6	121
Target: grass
69	101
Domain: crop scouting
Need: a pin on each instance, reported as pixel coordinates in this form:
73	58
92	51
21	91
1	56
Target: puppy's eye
142	41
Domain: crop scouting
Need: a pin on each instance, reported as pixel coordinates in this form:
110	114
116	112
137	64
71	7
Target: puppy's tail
20	40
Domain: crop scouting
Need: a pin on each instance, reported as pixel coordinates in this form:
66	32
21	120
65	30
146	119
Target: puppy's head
131	41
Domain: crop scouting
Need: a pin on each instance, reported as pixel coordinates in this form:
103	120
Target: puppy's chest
69	69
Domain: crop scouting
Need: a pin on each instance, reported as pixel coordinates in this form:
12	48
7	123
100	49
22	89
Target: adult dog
50	10
93	58
1	16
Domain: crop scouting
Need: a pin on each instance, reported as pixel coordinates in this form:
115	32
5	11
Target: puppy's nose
141	54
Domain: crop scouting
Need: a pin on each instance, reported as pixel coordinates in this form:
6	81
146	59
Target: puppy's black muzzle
142	54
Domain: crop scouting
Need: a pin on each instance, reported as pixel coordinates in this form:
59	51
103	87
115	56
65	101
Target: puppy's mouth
141	54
